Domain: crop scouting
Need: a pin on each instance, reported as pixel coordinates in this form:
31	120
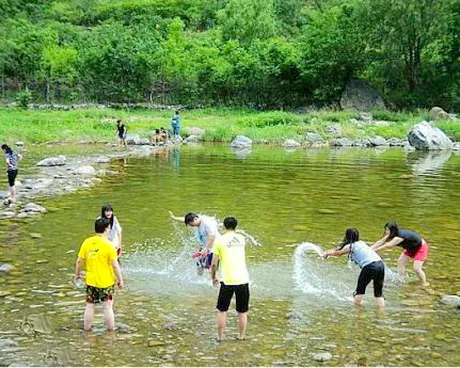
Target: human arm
214	264
337	252
176	218
380	242
78	267
210	241
117	269
392	243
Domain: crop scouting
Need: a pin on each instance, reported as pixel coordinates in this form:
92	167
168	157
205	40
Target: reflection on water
299	302
428	162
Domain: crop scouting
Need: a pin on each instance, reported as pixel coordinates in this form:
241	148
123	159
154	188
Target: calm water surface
299	306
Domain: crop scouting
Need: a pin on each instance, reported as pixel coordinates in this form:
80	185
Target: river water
300	304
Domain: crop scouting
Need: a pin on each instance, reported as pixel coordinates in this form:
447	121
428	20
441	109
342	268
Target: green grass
221	125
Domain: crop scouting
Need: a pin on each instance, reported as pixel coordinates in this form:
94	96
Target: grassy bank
221	125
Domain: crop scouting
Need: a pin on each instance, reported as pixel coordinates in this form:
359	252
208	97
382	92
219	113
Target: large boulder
451	300
425	136
133	139
53	161
438	113
361	96
241	141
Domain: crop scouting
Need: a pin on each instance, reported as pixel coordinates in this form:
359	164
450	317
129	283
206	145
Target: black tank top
412	241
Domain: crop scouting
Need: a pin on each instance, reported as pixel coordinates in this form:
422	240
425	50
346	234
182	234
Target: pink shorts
420	254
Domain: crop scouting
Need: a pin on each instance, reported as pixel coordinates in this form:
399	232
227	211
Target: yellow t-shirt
98	254
230	249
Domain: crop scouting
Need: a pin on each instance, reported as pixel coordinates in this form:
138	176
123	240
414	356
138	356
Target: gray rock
312	137
438	113
7	343
241	141
6	268
333	130
85	170
53	161
361	96
340	142
395	142
455	147
322	357
133	139
7	214
378	141
451	300
32	207
3	195
19	144
425	136
192	139
195	131
291	143
144	141
366	117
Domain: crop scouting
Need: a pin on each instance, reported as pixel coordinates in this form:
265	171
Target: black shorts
374	271
12	177
226	293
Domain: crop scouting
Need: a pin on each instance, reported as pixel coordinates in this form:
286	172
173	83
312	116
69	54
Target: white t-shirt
208	226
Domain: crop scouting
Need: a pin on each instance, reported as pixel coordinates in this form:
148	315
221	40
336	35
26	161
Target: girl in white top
115	231
372	267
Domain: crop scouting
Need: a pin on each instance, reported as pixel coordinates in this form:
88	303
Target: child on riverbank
12	163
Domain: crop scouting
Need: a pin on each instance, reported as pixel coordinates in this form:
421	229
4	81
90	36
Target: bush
270	119
23	98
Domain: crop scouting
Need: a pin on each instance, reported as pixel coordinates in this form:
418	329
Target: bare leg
358	299
12	192
89	316
418	268
221	321
380	302
402	262
109	317
242	324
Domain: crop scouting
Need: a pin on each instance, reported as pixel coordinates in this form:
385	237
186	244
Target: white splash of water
315	277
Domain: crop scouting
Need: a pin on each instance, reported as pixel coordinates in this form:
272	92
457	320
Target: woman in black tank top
415	247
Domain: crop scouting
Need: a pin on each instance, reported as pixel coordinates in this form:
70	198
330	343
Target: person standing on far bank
100	258
229	250
12	163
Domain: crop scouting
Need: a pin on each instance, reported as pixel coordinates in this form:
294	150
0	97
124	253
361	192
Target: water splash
314	277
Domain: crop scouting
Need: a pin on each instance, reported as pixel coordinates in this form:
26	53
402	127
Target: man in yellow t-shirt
100	258
229	250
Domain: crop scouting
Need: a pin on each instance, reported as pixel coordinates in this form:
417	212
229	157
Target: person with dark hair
12	164
206	232
100	259
229	250
175	124
121	133
115	231
415	247
372	267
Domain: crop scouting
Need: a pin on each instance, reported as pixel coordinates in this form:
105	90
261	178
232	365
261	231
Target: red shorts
420	254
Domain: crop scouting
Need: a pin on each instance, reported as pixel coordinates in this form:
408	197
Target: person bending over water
372	267
415	247
115	230
206	232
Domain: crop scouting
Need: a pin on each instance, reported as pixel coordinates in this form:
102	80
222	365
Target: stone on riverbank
195	131
19	143
133	139
378	141
32	207
425	136
322	357
451	300
340	142
53	161
438	113
6	268
241	141
85	170
291	143
312	137
192	139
